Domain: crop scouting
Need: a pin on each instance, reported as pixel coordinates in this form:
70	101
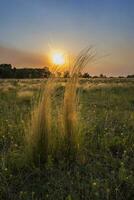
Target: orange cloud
21	58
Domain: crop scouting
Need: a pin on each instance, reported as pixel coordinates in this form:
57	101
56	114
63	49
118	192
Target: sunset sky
31	29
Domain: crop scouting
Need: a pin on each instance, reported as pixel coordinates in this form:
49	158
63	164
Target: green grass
104	168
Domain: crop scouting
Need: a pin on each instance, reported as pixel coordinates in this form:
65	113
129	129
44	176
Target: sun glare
58	59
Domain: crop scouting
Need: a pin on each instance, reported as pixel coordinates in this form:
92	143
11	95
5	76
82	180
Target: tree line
7	71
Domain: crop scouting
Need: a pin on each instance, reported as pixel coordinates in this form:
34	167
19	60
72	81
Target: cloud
21	58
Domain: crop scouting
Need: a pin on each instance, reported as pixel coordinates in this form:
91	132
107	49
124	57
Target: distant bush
66	74
102	76
130	76
86	75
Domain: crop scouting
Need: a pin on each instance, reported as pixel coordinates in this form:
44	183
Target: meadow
99	163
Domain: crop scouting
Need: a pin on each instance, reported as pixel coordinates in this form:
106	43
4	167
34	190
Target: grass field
104	164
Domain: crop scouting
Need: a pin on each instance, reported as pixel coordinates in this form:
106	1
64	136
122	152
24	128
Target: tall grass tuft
39	137
70	110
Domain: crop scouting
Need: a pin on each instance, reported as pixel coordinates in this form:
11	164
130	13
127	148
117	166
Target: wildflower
21	193
16	145
116	189
108	190
94	183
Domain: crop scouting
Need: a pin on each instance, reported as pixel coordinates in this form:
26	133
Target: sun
58	59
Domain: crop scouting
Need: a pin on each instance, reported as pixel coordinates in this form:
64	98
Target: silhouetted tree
102	76
66	74
86	75
6	71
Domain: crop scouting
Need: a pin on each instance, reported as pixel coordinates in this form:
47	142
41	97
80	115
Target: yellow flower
94	183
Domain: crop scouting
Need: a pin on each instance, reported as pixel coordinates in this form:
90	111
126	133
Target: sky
31	29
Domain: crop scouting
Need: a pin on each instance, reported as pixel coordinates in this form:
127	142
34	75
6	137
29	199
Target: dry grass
25	94
6	87
40	127
70	111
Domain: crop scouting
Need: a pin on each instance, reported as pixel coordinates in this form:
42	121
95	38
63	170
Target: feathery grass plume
40	133
38	138
70	117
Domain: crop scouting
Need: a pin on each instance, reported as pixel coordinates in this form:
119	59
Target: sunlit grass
102	116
